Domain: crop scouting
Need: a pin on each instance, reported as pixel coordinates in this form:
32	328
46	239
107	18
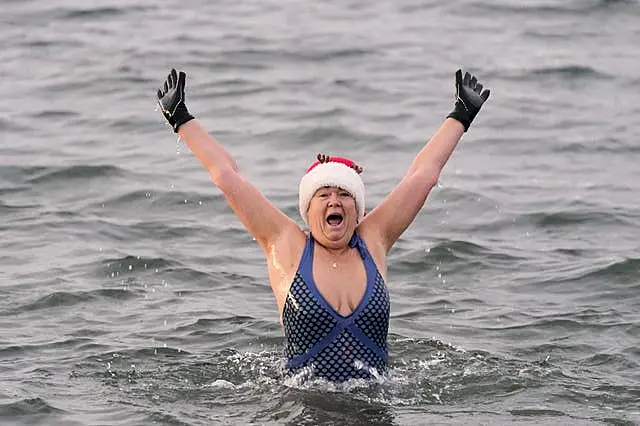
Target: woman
329	285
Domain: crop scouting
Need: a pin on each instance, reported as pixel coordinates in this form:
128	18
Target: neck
336	252
335	248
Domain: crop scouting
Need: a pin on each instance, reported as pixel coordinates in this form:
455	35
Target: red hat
331	171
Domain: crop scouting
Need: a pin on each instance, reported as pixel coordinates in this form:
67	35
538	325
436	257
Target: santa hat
331	171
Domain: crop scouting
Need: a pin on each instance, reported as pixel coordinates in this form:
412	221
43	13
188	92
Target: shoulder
375	245
283	256
285	250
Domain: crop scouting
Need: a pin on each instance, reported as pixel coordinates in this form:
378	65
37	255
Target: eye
322	194
345	194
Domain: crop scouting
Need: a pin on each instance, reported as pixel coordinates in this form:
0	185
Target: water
131	295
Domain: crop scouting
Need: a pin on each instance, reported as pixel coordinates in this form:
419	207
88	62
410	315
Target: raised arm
261	218
396	212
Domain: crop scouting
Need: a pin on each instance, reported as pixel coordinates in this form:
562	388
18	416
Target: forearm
207	149
434	155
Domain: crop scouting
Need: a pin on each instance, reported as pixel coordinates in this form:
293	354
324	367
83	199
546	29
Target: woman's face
332	216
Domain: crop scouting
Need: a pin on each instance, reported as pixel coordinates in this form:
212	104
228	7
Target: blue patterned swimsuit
336	347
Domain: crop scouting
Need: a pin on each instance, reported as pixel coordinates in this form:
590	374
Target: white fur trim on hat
330	174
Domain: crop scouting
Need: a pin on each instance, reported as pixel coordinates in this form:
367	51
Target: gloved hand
469	99
171	100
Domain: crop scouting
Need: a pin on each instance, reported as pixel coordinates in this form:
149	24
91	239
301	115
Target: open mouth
334	219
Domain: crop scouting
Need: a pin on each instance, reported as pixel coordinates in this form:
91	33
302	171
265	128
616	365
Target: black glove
171	100
469	99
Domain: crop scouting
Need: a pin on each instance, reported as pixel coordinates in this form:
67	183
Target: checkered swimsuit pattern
336	347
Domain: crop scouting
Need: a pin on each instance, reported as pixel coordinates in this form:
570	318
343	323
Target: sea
130	294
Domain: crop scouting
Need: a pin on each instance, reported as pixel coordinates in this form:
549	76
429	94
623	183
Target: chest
342	283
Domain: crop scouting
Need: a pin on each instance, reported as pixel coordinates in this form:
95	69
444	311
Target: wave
572	217
320	53
570	72
9	208
160	199
100	12
621	275
574	7
624	271
59	299
426	375
158	230
618	360
460	253
26	349
54	114
134	264
82	171
15	173
26	407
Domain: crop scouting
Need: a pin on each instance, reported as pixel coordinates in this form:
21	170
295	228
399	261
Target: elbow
224	178
426	178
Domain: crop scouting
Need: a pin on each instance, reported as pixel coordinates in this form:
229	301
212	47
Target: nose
334	199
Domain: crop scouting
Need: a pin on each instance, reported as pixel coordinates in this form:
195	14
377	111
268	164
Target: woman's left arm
396	212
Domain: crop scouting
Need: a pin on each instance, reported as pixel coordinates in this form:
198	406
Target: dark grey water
130	294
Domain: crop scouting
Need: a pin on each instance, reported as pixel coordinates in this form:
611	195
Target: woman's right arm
261	218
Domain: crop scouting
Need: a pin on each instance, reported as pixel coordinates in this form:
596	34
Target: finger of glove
458	82
466	79
182	78
485	94
478	88
174	78
166	87
159	94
